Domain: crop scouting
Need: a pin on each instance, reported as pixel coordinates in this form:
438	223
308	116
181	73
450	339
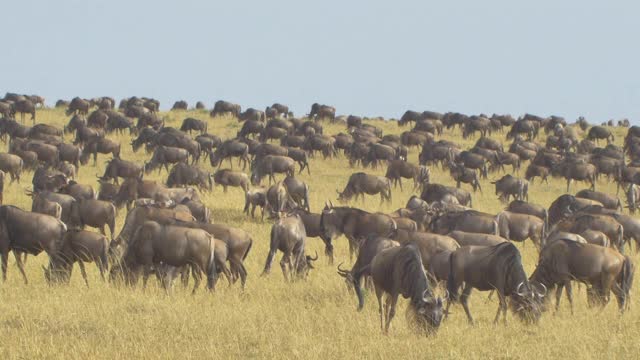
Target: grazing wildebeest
251	127
289	236
48	179
118	168
497	268
153	244
565	205
28	232
180	105
322	111
361	183
134	188
355	224
508	186
79	106
437	192
599	132
252	114
79	246
99	145
298	191
165	155
182	174
469	221
24	107
603	269
12	165
369	248
229	149
606	200
94	213
398	169
270	165
190	124
255	198
461	174
576	171
519	227
399	270
226	177
78	191
278	201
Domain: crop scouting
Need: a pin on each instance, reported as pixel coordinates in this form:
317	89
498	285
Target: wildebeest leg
502	307
197	276
569	294
559	295
568	182
20	265
146	271
83	272
464	300
5	258
391	304
102	230
283	265
379	294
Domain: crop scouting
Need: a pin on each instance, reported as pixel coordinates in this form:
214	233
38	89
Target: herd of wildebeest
437	239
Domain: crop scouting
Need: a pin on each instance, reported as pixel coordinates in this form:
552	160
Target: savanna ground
316	318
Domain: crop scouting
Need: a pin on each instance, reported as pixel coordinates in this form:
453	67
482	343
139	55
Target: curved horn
545	290
426	295
331	203
341	271
518	289
314	259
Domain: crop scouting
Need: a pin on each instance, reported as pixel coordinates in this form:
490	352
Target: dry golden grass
315	318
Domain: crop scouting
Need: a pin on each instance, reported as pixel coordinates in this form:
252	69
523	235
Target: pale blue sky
364	57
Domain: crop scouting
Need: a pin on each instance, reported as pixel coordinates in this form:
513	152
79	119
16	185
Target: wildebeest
576	171
12	165
369	248
27	232
398	169
497	268
508	186
99	145
270	165
79	246
226	177
603	269
469	221
322	111
523	207
519	227
118	168
599	132
399	270
298	191
78	191
78	105
229	149
153	244
255	198
180	105
476	239
461	174
604	223
355	224
24	107
94	213
251	127
182	174
165	155
361	183
437	192
289	236
607	200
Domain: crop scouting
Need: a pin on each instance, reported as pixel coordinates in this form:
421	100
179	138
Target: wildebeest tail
211	267
626	280
246	253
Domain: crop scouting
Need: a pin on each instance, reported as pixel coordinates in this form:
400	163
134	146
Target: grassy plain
311	319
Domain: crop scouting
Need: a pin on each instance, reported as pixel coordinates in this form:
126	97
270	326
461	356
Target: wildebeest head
527	301
330	222
305	265
426	315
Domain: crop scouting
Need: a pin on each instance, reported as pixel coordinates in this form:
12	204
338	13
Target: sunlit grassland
315	318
